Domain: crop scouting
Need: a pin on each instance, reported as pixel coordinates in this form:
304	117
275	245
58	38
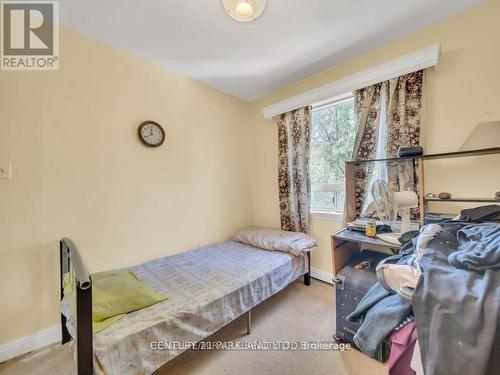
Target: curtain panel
293	169
367	115
403	108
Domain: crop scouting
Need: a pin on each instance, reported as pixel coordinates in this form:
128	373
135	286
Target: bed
457	301
207	288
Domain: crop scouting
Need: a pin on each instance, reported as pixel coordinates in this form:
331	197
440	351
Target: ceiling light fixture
244	10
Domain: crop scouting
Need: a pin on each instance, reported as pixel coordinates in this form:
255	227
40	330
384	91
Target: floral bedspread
207	288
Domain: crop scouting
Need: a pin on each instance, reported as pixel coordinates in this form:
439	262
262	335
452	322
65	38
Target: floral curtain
293	173
367	110
403	107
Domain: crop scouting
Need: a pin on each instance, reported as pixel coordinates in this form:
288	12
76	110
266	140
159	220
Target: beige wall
462	91
79	170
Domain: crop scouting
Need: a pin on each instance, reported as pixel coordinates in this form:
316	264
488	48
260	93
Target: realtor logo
29	35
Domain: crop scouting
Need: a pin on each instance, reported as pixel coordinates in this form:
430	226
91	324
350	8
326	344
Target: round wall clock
151	133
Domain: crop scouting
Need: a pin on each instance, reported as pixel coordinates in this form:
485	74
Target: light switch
5	168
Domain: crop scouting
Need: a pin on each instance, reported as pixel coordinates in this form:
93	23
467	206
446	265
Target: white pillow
272	239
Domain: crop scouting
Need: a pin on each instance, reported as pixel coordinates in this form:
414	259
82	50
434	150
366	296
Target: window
332	140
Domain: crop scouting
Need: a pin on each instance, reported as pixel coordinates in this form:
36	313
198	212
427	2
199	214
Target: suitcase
351	285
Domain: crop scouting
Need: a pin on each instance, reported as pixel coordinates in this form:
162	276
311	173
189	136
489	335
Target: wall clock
151	133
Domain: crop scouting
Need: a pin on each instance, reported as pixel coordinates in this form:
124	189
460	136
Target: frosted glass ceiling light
244	10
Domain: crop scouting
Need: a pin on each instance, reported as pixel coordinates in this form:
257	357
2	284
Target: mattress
207	288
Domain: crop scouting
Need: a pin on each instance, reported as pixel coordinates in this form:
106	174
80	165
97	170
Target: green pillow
114	294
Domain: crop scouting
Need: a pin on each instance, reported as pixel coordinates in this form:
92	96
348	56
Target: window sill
327	216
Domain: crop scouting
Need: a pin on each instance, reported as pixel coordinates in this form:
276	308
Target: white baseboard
27	344
321	275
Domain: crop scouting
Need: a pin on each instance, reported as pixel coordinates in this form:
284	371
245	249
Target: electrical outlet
5	169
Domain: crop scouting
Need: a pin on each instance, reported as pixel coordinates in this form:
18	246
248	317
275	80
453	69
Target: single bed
207	288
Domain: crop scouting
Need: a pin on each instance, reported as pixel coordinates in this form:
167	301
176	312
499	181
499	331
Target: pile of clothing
438	300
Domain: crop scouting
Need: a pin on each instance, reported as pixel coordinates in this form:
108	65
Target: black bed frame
72	262
69	257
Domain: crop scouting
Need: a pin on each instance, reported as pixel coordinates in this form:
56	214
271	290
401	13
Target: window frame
328	213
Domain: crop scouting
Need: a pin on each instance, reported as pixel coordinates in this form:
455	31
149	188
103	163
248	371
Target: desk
346	244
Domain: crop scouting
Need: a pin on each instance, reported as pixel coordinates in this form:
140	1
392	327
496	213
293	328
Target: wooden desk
346	244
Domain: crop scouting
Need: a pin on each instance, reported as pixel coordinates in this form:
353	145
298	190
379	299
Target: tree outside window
332	141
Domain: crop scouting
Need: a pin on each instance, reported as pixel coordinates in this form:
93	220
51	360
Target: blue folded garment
479	247
380	312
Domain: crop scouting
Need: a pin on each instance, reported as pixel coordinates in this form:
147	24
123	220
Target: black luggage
351	285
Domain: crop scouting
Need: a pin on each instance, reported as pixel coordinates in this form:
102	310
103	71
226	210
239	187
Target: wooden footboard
71	262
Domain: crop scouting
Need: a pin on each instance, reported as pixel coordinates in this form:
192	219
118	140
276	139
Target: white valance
421	59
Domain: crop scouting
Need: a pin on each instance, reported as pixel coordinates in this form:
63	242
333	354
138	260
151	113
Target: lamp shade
484	135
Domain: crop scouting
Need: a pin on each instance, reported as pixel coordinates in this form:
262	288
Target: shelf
445	155
359	237
463	200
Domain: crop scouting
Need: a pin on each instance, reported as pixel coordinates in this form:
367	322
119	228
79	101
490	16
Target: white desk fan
388	204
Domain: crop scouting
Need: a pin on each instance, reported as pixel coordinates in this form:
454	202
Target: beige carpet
298	313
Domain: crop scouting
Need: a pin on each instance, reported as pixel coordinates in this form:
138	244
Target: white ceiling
290	41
